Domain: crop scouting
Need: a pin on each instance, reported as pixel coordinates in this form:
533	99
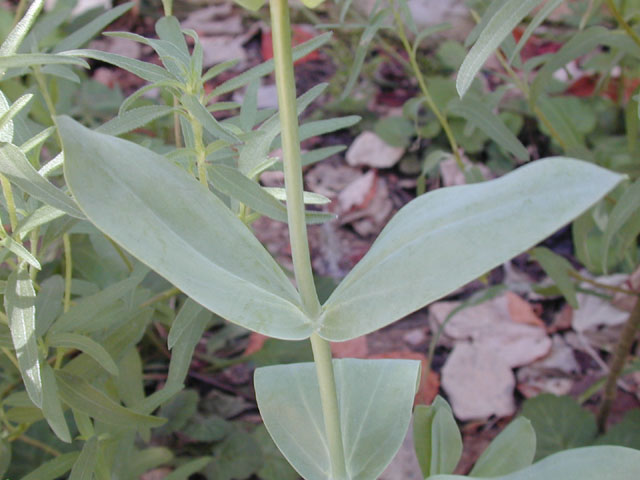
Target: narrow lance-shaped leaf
540	17
86	345
233	183
147	71
91	29
19	60
558	269
588	463
483	118
16	36
171	222
626	207
266	68
86	461
81	395
54	468
19	303
135	118
51	406
499	26
15	165
374	398
581	44
444	239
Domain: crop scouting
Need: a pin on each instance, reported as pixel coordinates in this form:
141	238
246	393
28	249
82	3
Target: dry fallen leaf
595	312
370	150
478	382
550	374
355	348
493	325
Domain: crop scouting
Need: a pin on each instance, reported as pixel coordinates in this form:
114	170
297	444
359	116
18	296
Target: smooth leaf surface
446	238
54	468
436	437
560	423
580	44
51	406
15	165
16	36
84	397
82	35
147	71
557	268
498	28
180	229
20	60
588	463
134	118
626	207
233	183
375	399
512	450
481	116
86	345
19	303
85	463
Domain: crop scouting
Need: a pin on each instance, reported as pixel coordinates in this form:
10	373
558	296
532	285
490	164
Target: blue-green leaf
374	397
498	28
84	397
588	463
19	303
512	450
15	166
182	230
472	227
436	438
51	406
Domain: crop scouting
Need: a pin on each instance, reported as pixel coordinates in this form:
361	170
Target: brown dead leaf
595	312
256	341
370	150
358	193
521	311
491	324
355	348
478	382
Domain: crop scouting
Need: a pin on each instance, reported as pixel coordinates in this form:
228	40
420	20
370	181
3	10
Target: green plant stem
22	7
11	206
604	286
160	297
330	410
38	444
201	154
622	352
622	22
442	118
68	267
285	85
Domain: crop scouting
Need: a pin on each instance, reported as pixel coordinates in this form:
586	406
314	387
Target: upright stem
285	85
623	349
442	118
